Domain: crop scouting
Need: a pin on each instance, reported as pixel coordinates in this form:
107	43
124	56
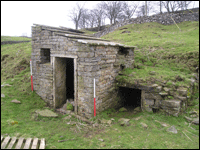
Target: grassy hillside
14	38
163	49
168	53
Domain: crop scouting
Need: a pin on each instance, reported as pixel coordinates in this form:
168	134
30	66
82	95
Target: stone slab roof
78	36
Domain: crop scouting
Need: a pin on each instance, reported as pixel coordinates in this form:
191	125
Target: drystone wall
164	19
158	97
12	42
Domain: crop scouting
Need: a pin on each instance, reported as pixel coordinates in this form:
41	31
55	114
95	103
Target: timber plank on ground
22	143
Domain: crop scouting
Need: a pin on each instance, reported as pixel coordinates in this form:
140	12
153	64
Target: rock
163	94
154	85
152	72
2	95
138	118
144	125
182	92
137	109
109	122
101	140
193	116
112	119
196	121
159	88
171	103
193	120
122	109
46	113
67	117
124	121
5	85
16	101
166	89
193	112
172	129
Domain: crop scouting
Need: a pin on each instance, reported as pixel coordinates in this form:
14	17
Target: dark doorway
130	98
64	80
69	78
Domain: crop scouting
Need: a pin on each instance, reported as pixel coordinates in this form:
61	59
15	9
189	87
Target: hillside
163	49
172	54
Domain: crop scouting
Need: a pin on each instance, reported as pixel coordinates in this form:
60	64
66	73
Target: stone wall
170	99
164	19
12	42
101	62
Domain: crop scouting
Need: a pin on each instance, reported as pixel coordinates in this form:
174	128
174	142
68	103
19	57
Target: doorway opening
130	98
64	81
69	78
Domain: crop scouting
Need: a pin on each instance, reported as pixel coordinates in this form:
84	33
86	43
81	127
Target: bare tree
84	19
129	10
92	18
113	10
145	8
184	4
160	5
171	6
75	14
99	13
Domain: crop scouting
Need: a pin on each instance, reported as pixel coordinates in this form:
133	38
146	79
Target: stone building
65	63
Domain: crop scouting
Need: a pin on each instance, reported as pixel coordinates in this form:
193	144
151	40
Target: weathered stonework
92	58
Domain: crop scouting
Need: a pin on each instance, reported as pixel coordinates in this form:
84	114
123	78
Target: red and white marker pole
94	100
31	76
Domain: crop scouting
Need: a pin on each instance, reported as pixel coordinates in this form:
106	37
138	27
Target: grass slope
16	56
163	49
14	38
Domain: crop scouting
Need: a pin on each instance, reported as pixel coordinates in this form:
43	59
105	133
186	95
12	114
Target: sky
17	17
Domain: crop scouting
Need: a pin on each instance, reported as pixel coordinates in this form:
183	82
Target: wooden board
42	144
19	144
28	143
35	142
5	142
12	143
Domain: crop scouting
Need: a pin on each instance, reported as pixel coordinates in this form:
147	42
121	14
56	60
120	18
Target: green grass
14	38
162	48
16	56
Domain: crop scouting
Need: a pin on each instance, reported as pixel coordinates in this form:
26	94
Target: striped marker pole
31	76
94	100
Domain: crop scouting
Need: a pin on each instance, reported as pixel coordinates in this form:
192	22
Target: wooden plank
35	142
19	144
28	143
42	144
5	142
12	142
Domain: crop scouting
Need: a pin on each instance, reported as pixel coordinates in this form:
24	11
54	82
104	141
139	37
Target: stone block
171	104
182	92
148	101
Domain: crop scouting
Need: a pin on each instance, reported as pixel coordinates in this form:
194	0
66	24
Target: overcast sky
17	17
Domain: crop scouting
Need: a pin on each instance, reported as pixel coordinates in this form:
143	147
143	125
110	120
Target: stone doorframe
75	75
